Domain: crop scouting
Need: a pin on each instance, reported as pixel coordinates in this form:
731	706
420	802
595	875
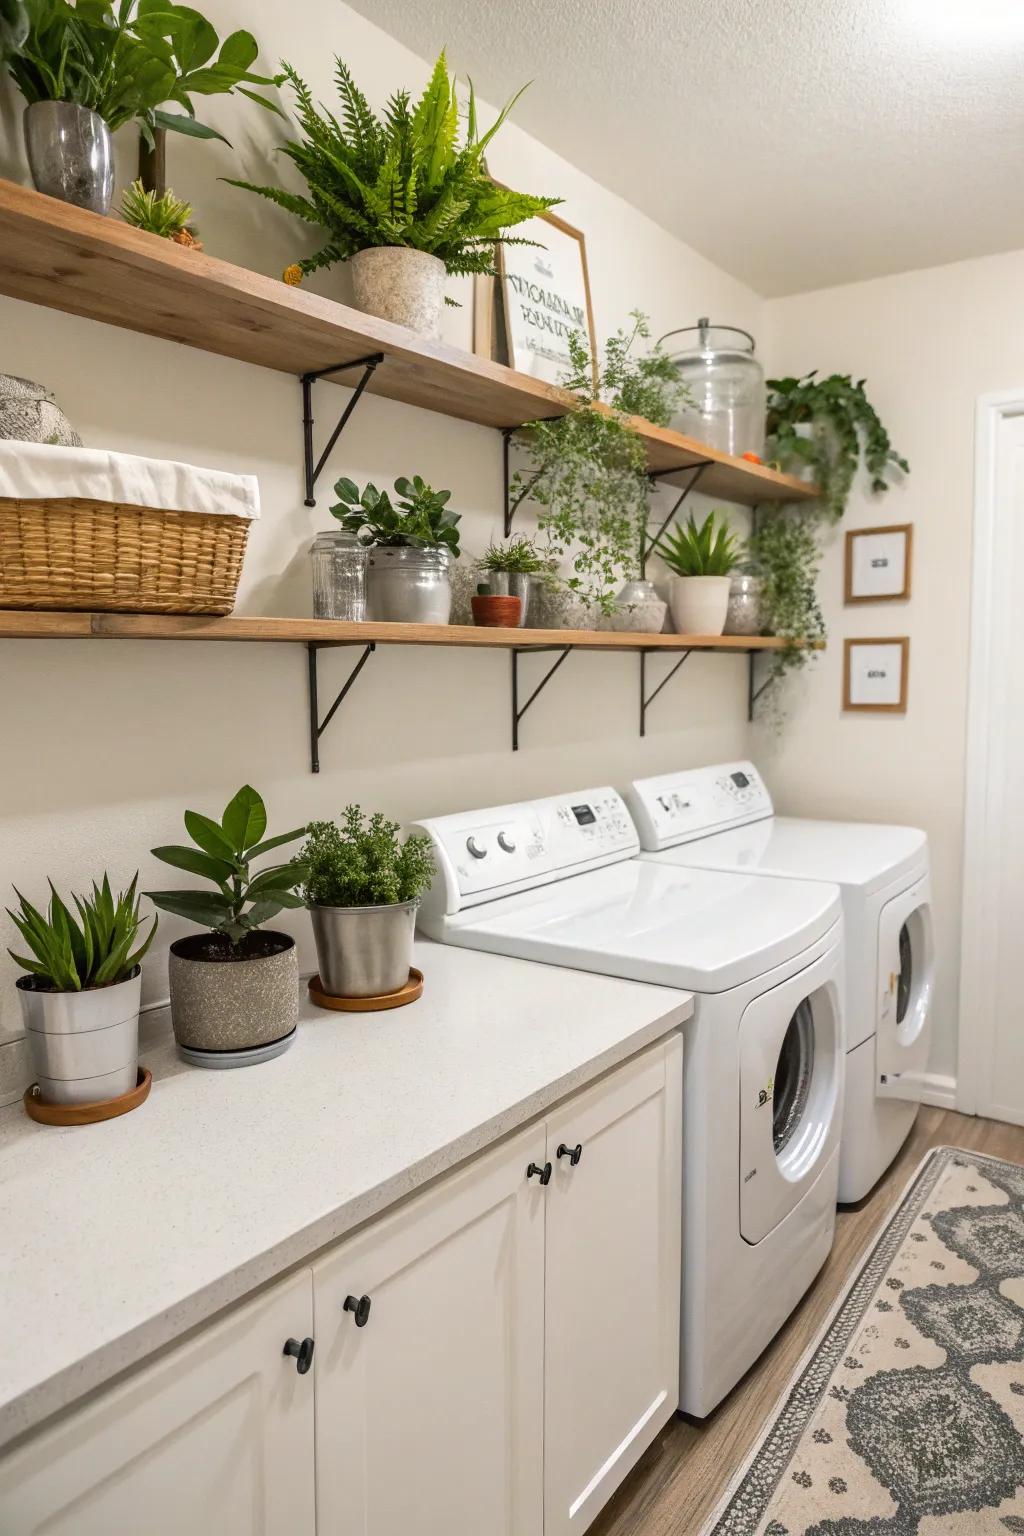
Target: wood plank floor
680	1479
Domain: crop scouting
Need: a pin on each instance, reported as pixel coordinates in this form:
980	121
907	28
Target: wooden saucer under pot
87	1114
408	994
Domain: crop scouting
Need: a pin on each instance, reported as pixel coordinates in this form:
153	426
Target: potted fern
399	198
81	991
700	558
412	546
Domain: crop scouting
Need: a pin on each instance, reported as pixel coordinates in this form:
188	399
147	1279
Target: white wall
929	343
105	743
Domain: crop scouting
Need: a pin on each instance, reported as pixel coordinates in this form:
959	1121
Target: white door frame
983	790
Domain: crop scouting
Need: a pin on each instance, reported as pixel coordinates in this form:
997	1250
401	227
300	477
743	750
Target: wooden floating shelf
65	258
17	624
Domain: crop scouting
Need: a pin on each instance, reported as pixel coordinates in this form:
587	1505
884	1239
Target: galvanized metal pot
512	584
84	1045
364	951
232	1005
70	154
408	586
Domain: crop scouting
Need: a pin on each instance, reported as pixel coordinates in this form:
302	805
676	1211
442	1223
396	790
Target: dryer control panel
480	855
680	807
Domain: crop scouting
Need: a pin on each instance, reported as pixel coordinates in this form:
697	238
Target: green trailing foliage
847	431
421	518
222	853
587	470
400	179
163	214
705	549
519	555
783	551
360	862
128	61
94	950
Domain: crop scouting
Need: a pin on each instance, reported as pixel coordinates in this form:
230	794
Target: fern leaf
435	124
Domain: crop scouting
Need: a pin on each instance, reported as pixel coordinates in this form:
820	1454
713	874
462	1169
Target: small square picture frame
875	675
878	564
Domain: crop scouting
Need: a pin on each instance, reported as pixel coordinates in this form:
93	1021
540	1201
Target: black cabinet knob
544	1174
359	1306
572	1153
303	1353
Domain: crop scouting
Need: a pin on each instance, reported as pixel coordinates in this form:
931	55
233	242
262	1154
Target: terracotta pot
491	611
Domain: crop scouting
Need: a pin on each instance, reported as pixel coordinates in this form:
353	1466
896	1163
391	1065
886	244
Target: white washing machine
559	881
722	818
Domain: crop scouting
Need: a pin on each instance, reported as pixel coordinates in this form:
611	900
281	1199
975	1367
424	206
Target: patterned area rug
907	1416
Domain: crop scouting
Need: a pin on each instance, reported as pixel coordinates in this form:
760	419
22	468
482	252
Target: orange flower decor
292	275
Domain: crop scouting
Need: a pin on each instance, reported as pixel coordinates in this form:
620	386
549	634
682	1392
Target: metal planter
70	154
84	1045
364	951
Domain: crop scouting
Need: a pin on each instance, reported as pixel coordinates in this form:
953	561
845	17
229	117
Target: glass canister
339	576
744	612
726	383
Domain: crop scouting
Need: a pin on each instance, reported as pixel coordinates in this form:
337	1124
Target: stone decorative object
70	154
400	284
30	414
232	1005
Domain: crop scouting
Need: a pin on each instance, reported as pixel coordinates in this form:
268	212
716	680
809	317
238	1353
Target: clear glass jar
726	381
339	576
744	613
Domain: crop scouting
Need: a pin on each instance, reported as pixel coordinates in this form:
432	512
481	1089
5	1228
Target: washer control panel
482	854
679	807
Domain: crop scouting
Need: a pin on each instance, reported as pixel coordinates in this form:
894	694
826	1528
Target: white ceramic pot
408	586
699	604
84	1045
399	284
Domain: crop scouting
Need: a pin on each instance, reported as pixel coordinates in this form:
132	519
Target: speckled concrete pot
233	1005
401	285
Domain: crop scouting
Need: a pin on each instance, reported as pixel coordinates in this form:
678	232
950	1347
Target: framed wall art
545	295
878	564
875	674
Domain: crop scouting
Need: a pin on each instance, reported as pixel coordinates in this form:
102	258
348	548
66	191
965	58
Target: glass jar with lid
726	385
339	576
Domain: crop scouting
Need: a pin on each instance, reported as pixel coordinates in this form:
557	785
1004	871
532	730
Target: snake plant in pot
234	987
363	887
80	994
700	558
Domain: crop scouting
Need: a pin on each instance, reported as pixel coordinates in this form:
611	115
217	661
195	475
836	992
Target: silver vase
364	951
70	154
512	584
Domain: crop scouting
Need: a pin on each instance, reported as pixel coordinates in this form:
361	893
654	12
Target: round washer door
906	985
791	1064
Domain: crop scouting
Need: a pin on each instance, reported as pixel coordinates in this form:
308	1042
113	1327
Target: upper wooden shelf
54	254
17	624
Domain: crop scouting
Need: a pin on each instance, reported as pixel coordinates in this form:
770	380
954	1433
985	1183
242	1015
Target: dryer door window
906	964
791	1067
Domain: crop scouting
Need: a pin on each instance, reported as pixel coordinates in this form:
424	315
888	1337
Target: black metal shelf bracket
647	699
316	725
511	507
312	471
526	650
754	692
647	543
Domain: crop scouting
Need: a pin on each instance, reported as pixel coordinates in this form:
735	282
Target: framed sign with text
545	290
875	675
878	564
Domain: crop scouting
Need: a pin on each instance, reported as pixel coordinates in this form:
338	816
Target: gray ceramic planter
232	1005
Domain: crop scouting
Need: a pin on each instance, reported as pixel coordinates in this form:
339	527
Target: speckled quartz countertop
119	1237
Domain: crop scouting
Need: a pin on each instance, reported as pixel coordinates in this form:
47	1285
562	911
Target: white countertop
119	1237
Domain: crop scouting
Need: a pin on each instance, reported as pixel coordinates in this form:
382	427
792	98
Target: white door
991	1036
429	1395
215	1437
906	982
613	1226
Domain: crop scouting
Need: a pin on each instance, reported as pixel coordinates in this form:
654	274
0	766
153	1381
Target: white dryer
559	881
722	818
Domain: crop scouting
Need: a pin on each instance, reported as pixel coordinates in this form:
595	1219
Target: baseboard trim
939	1091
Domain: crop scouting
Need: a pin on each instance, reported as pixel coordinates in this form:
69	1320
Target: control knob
475	849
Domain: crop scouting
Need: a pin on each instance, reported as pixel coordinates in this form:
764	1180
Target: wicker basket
71	554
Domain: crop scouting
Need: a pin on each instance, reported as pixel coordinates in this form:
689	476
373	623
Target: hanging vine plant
845	430
587	470
783	550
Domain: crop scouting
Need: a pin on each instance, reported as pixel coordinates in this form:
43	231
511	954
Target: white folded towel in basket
46	472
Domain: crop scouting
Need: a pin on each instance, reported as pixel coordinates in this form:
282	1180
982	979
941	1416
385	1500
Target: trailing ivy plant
847	431
587	470
783	551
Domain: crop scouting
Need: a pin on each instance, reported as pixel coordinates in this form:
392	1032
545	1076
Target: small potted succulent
701	559
412	545
80	997
509	570
496	610
234	987
363	886
160	214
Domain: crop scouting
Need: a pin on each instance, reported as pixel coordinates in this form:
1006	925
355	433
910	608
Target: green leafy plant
13	27
223	852
400	179
705	549
127	61
164	215
357	862
519	555
94	951
847	431
422	517
783	551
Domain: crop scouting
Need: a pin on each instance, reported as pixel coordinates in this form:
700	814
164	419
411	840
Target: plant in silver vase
412	546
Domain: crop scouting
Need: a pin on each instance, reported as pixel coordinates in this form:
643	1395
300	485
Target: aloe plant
707	549
94	951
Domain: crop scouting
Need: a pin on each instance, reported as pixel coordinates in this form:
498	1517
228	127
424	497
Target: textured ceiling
796	143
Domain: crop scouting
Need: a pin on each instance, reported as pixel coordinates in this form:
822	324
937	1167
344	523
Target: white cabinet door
217	1436
613	1229
429	1416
